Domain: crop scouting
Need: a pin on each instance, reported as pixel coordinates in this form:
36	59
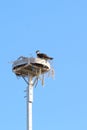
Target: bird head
37	52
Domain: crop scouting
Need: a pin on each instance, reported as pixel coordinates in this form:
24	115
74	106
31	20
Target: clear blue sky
58	28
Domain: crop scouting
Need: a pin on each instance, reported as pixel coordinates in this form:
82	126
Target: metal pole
29	103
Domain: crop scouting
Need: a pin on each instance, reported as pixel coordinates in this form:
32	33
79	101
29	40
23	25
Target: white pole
29	103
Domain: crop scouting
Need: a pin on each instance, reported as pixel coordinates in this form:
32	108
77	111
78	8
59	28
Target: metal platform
24	66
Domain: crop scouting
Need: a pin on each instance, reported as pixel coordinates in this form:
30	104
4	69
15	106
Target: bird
43	56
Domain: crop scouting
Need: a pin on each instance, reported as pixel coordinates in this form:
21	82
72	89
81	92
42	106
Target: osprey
43	56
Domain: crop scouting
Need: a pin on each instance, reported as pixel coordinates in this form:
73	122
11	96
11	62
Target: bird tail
50	58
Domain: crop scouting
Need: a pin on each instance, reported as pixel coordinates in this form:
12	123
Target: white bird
43	56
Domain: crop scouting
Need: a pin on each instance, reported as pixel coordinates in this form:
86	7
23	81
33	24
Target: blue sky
58	28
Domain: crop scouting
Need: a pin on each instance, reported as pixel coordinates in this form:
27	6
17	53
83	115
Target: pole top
25	66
